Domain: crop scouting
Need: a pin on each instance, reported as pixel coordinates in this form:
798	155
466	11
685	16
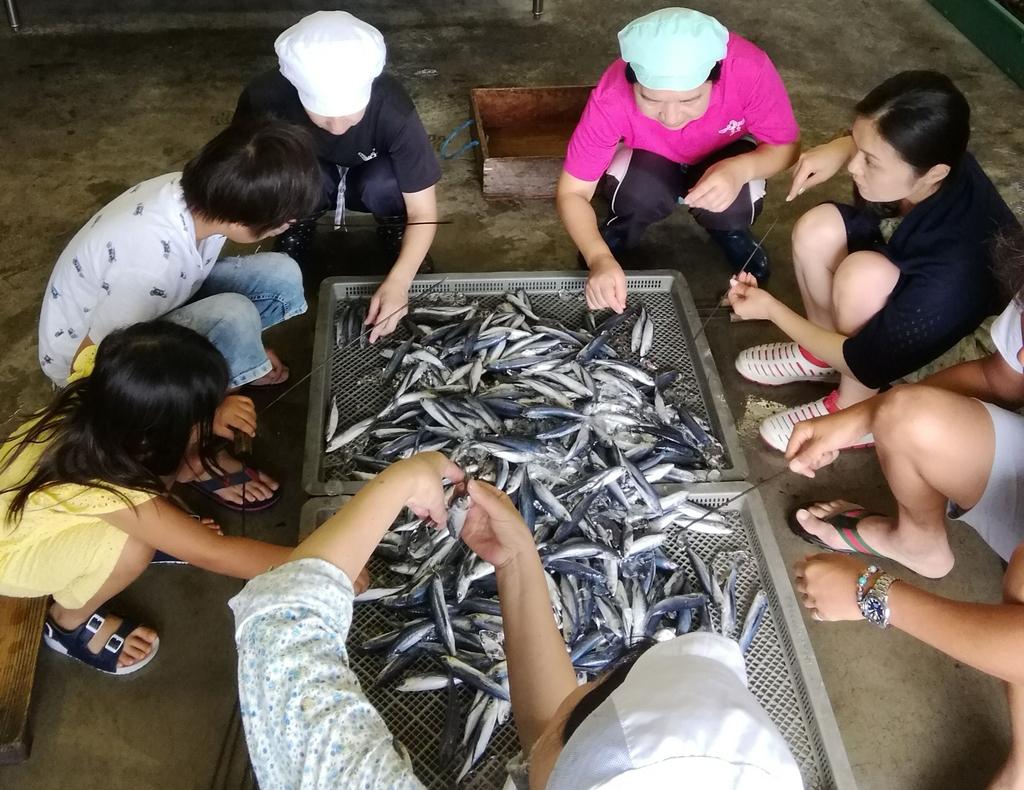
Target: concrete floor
92	105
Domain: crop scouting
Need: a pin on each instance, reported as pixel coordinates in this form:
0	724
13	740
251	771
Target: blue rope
455	133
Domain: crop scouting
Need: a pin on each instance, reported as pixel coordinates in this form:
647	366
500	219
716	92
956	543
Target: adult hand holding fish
348	538
494	529
606	284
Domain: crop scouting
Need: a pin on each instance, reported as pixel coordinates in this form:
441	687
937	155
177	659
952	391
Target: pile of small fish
508	387
577	438
610	584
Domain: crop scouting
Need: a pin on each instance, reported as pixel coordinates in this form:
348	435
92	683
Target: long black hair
130	422
610	680
923	116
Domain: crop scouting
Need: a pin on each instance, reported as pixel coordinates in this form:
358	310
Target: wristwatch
875	603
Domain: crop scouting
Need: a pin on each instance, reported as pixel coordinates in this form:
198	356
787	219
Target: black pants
370	187
650	190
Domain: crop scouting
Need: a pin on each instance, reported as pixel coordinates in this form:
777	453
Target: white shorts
999	515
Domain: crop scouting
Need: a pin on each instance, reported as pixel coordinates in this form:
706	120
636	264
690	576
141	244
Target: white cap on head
683	717
332	59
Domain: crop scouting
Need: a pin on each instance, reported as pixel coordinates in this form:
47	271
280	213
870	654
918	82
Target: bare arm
751	302
722	181
817	165
420	207
606	285
767	160
163	525
572	200
824	344
989	379
988	637
348	538
389	302
540	674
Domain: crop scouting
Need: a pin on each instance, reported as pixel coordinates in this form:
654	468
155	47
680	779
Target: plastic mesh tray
352	375
782	670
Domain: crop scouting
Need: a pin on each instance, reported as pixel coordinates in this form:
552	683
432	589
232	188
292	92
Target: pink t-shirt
748	98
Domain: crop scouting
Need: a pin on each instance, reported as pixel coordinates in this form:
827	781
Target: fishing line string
758	246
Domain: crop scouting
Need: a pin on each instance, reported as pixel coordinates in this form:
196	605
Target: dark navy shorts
863	229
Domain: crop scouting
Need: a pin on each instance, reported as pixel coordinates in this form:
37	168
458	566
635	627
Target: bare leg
860	288
1011	775
134	559
819	246
934	446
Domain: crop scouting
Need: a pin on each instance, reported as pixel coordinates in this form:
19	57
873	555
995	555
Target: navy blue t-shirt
946	287
390	128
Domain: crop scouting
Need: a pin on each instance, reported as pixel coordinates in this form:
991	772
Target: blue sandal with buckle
75	643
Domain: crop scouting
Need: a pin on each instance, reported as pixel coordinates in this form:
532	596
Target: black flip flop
845	525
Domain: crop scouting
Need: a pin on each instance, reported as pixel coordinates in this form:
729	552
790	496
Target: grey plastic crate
781	666
352	373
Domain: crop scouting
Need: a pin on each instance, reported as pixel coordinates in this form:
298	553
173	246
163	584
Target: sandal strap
117	639
845	525
215	484
76	641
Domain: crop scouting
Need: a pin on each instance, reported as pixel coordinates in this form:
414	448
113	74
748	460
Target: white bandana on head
332	59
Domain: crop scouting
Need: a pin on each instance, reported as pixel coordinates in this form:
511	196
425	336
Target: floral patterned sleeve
307	722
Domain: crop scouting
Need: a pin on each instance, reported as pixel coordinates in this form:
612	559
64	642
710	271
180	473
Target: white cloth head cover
332	59
683	717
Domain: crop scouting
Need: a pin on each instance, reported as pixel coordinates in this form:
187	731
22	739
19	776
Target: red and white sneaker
783	363
777	429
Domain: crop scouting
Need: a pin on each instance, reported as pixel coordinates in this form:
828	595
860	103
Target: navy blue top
946	287
390	127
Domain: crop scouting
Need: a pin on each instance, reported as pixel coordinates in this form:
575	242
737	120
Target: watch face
873	610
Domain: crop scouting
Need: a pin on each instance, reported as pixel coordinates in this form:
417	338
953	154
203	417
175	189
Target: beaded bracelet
862	581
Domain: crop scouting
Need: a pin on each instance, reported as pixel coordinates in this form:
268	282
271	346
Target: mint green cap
673	49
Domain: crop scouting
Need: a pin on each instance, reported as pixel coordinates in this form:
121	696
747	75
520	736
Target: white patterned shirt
308	724
135	260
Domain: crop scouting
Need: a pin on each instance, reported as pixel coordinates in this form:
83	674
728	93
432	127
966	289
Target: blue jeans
238	300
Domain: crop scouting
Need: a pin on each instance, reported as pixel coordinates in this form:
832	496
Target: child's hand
235	412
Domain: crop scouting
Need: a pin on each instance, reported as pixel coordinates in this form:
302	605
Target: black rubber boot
297	241
743	252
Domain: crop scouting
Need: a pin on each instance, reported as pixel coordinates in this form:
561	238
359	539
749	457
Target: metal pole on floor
538	8
12	13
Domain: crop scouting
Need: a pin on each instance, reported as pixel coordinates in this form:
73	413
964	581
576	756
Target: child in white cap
680	715
692	113
374	153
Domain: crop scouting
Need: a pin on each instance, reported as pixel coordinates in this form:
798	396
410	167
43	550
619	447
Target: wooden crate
523	133
21	626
